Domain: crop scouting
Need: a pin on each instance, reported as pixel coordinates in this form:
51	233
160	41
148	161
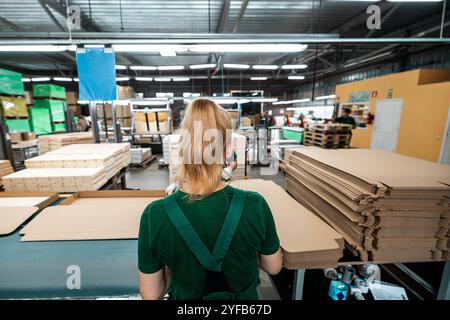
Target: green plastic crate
18	125
57	108
58	127
293	135
11	83
40	119
49	91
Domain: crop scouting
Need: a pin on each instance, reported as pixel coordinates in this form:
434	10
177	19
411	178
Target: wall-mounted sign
96	74
362	96
390	93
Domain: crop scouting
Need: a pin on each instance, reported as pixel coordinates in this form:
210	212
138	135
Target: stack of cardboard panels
166	149
5	169
151	122
306	241
329	135
55	179
239	144
56	141
388	207
139	155
123	114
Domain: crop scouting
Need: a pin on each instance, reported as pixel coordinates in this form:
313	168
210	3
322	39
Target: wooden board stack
5	169
239	143
56	141
71	168
388	207
140	155
330	135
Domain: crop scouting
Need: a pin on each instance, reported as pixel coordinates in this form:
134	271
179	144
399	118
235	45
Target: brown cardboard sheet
301	233
27	199
12	217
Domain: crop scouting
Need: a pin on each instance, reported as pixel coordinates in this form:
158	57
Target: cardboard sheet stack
72	168
329	135
239	143
139	155
388	207
56	141
306	241
5	169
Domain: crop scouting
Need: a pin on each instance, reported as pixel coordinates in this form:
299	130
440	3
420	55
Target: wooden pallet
144	164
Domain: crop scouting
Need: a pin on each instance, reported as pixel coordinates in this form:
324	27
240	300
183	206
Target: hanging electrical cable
121	17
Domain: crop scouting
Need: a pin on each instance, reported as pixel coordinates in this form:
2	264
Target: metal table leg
444	288
299	279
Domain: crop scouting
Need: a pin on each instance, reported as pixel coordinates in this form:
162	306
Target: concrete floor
153	178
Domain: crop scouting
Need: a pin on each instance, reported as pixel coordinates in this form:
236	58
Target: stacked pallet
388	207
56	141
330	135
72	168
140	155
5	169
238	142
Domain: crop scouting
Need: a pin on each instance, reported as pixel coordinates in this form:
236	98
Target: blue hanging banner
96	74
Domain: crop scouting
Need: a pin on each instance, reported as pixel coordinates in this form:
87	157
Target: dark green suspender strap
210	261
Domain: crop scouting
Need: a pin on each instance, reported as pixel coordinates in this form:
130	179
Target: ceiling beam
50	15
60	8
10	25
240	15
224	14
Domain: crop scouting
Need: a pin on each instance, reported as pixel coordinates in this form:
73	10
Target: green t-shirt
346	120
161	245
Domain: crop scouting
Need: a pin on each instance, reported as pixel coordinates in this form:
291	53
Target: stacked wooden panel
330	135
140	155
72	168
56	141
388	207
5	169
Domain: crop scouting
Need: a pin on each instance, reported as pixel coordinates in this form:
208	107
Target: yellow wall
424	113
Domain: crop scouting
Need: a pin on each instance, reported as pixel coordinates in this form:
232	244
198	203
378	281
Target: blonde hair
203	117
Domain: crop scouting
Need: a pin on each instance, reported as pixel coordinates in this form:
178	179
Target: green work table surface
37	270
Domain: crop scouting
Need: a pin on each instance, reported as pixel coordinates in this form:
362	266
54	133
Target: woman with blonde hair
207	239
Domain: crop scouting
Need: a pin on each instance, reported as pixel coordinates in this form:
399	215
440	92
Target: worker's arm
271	264
154	286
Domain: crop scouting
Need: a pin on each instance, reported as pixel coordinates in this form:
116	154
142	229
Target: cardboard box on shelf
29	97
72	97
15	136
26	136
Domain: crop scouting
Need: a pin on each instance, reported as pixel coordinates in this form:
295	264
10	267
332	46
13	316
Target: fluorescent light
120	67
187	94
272	100
258	78
255	93
122	78
414	0
299	100
62	79
161	48
181	79
196	95
294	66
280	102
235	66
143	79
26	80
265	67
40	79
296	77
248	47
93	46
163	79
75	79
325	97
162	68
203	66
143	68
164	94
33	48
331	96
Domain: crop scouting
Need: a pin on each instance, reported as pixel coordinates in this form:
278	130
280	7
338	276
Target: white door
387	124
445	149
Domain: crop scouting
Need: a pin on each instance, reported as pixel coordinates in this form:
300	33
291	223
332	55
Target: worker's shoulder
255	200
155	207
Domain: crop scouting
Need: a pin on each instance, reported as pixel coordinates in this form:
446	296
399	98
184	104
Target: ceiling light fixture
203	66
143	68
165	68
122	78
296	77
163	79
294	66
258	78
235	66
265	67
62	79
33	48
143	78
270	47
26	80
181	78
120	67
40	79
